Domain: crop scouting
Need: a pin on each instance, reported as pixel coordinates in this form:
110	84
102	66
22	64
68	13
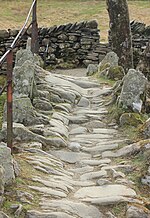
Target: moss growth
2	101
131	119
22	183
114	113
2	80
66	65
116	73
103	67
119	210
104	81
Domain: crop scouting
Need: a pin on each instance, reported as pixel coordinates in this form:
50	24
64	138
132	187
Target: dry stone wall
140	39
75	44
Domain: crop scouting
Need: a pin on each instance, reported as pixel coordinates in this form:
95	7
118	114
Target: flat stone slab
82	170
94	136
108	200
94	162
61	82
93	175
70	157
49	191
104	191
48	214
77	209
95	124
92	112
104	131
100	148
78	130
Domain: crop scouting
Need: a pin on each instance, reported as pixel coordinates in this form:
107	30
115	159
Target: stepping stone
78	130
94	162
108	200
77	119
102	182
93	175
81	170
70	157
73	182
104	131
100	148
48	214
61	117
49	191
74	146
104	192
92	112
84	102
94	124
77	209
94	136
51	184
53	80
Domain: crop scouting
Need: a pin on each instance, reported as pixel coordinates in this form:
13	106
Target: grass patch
105	81
119	210
52	12
22	183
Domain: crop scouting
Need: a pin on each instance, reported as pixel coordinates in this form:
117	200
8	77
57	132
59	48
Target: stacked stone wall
76	44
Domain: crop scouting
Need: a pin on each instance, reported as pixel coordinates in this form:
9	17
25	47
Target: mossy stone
130	119
103	67
116	73
144	130
2	80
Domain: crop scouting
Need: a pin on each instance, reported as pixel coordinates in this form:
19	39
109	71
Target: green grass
52	12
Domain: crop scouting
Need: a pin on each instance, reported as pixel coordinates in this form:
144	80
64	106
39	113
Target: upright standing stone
7	162
133	91
121	42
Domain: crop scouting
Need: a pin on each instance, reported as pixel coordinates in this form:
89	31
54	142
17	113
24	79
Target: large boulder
24	112
133	91
137	212
92	69
6	161
26	54
24	80
111	59
109	68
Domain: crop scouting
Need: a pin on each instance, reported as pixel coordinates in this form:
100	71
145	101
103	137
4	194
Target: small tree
120	31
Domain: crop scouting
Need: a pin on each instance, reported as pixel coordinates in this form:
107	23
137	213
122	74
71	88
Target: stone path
77	177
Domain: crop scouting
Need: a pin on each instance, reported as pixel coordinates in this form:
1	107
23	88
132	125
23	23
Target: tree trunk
120	32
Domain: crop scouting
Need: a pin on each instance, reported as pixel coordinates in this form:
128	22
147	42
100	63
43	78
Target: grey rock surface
136	212
91	69
104	192
78	209
3	215
38	214
6	161
70	157
24	80
134	87
2	180
111	59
